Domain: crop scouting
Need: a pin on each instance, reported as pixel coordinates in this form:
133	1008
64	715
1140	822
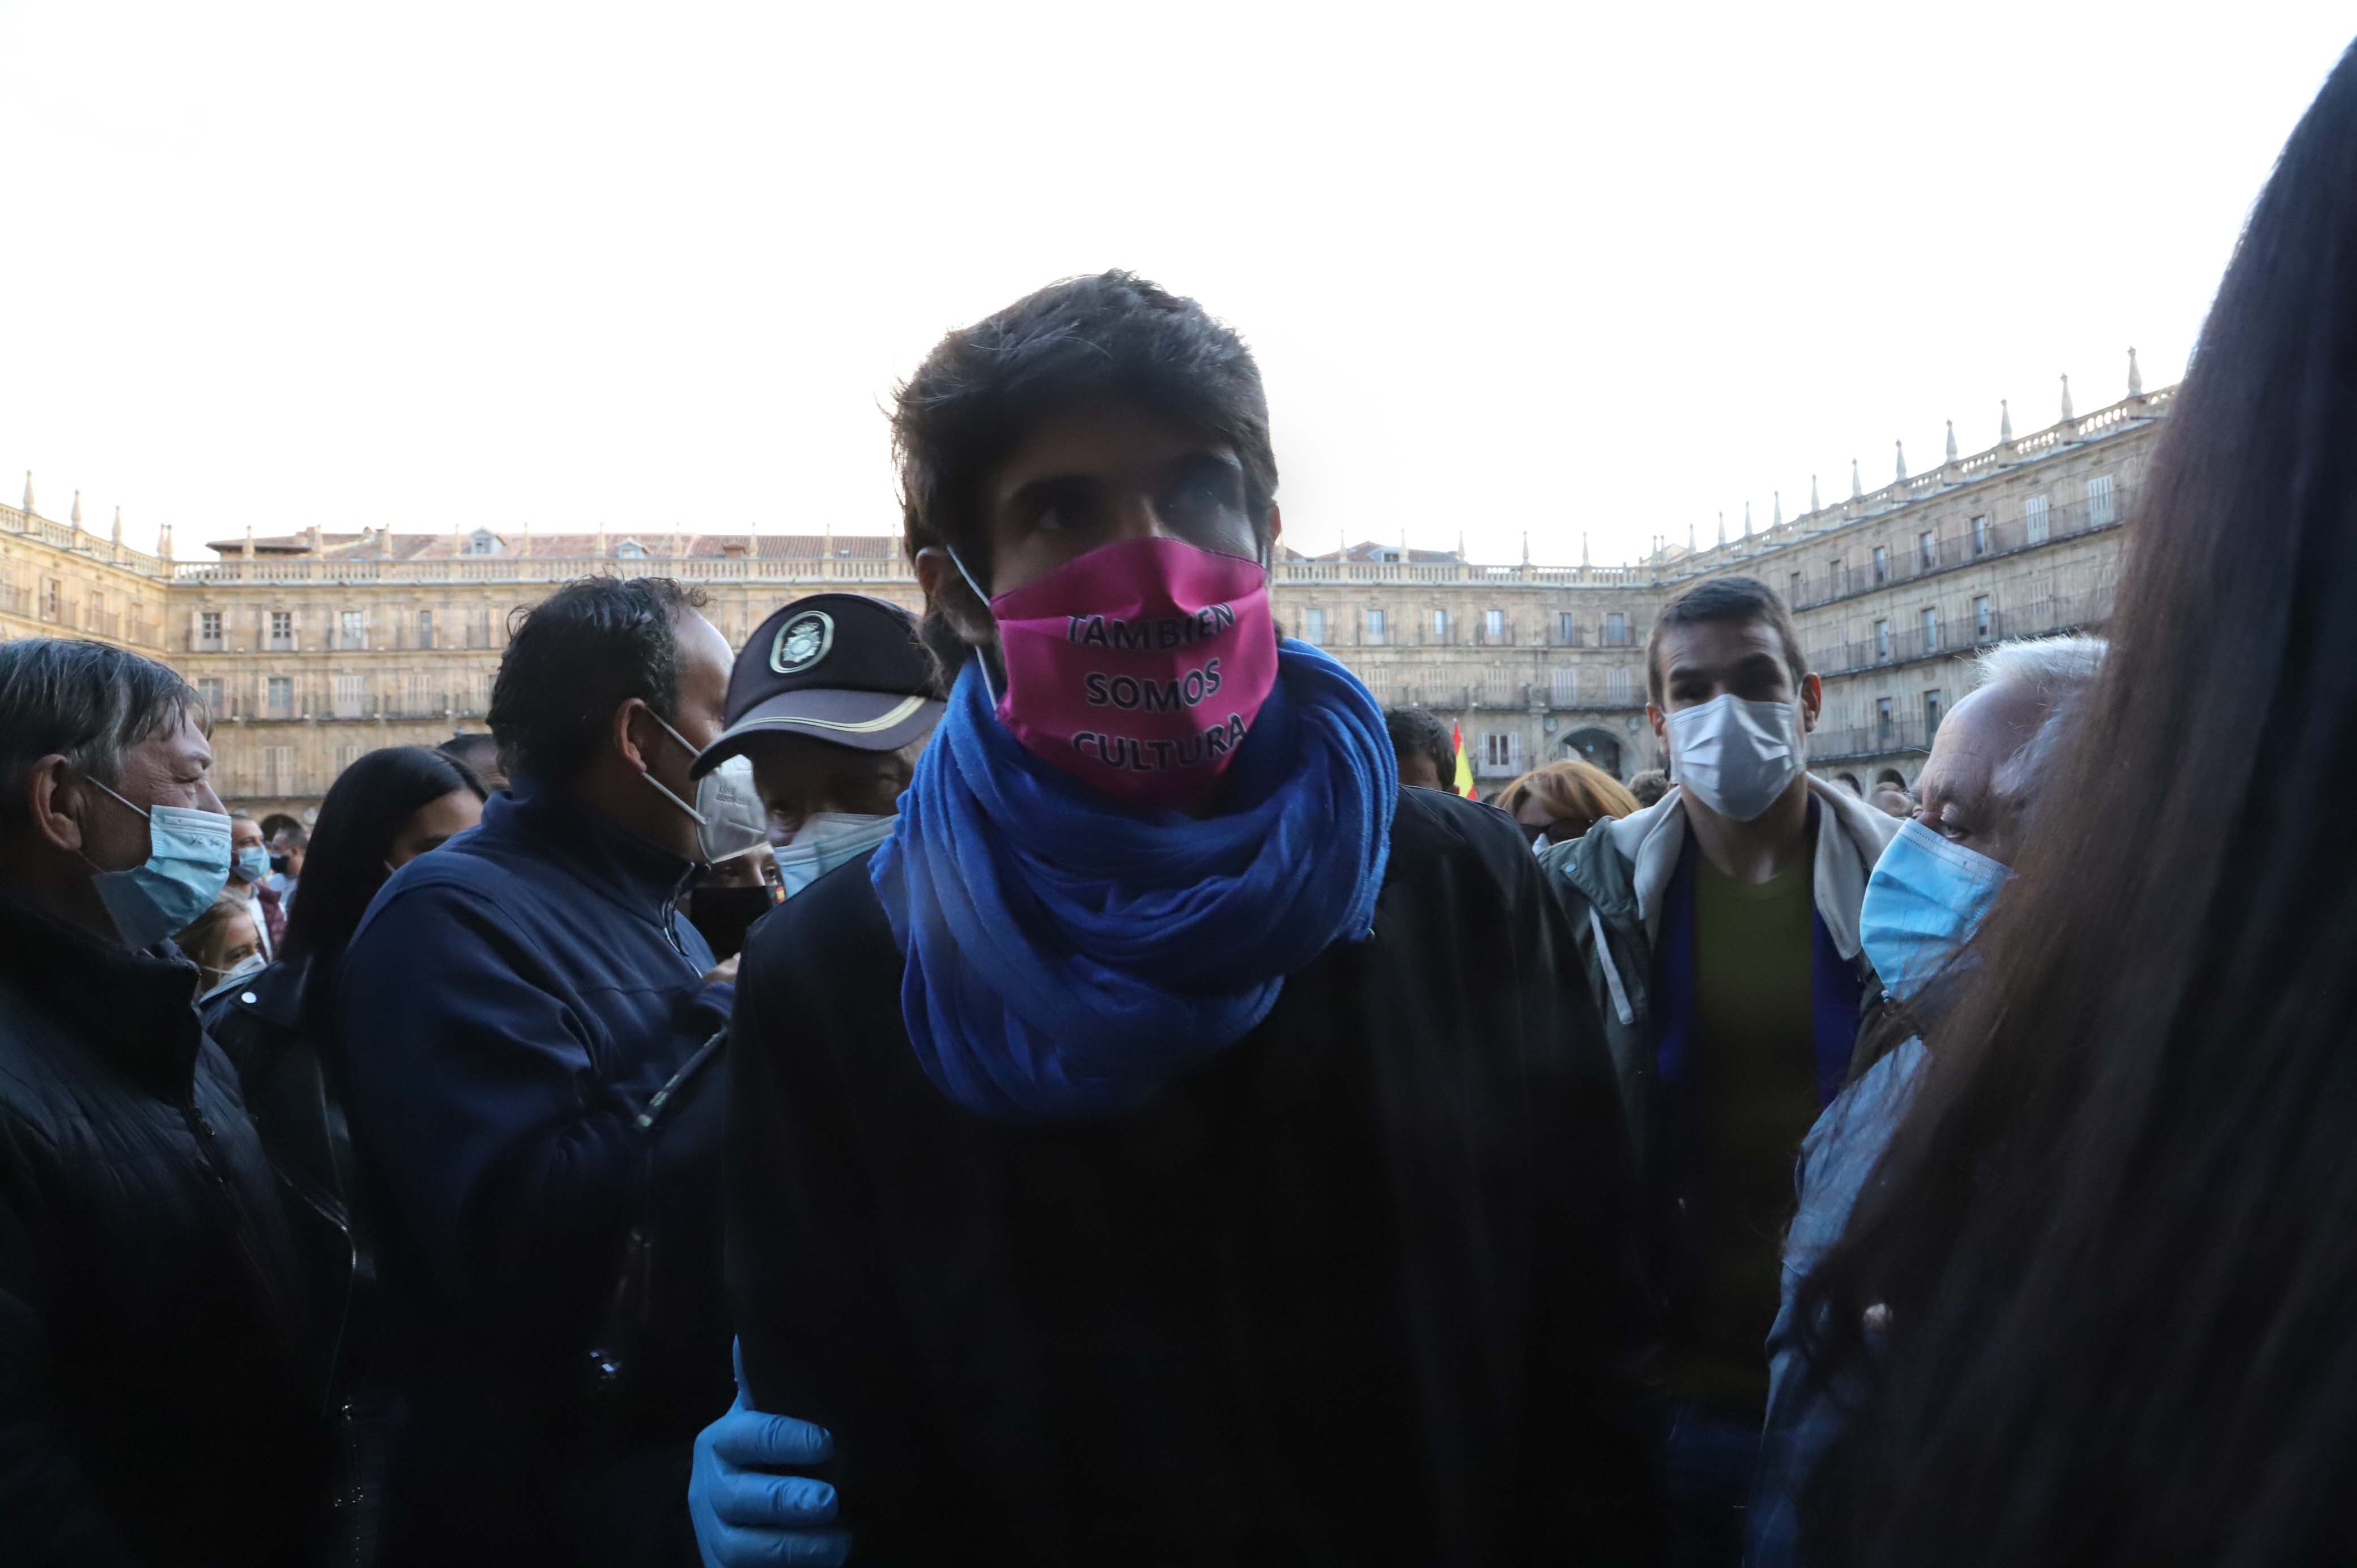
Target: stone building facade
311	649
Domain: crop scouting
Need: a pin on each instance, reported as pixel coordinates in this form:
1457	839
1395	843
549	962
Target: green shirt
1752	1060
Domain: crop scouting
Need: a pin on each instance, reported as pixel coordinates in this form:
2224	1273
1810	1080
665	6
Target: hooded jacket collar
1850	838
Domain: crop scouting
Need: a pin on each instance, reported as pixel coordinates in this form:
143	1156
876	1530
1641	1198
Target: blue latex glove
746	1517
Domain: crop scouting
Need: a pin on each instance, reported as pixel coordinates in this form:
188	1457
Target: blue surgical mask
252	863
826	840
185	869
1926	898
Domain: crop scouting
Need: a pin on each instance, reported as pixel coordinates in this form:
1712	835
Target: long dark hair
369	804
2117	1233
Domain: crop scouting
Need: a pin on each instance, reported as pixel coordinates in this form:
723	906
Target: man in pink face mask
1183	1145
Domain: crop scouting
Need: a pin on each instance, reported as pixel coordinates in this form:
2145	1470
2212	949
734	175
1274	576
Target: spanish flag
1464	779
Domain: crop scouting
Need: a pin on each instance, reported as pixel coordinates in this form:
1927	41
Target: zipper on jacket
670	920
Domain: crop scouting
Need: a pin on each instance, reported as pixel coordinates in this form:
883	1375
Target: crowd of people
1065	1079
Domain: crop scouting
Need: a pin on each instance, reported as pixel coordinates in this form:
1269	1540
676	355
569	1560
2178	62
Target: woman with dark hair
2097	1303
383	810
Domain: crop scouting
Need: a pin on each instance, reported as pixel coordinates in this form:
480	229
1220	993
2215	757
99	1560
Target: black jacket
1362	1290
154	1402
281	1073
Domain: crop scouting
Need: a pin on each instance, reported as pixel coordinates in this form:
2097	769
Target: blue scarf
1066	956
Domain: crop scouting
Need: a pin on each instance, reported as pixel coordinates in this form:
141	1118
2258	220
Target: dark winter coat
508	1010
154	1403
260	1026
1359	1291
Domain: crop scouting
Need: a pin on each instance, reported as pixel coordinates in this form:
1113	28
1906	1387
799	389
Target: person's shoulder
1855	1128
1433	827
833	929
435	897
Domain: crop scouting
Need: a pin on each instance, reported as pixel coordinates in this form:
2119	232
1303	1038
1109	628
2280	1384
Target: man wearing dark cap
832	698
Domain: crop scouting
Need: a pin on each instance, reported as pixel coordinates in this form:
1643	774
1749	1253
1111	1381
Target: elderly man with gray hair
1976	802
155	1403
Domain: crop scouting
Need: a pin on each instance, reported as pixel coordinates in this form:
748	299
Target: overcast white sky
1558	268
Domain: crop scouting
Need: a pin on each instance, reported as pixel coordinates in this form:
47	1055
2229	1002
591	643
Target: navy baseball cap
841	668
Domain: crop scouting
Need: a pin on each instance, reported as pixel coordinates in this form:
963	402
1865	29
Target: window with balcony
1493	624
1982	619
278	770
50	599
1882	564
1375	624
1882	640
425	629
208	631
1313	627
1567	630
1927	545
281	631
420	696
1501	755
2033	521
1440	626
1931	625
1834	585
1615	629
1792	595
352	629
279	697
1930	715
1564	688
1883	723
2099	501
209	692
348	696
1980	535
1616	689
346	755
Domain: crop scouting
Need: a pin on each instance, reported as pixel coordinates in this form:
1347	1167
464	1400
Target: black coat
154	1406
283	1075
1362	1290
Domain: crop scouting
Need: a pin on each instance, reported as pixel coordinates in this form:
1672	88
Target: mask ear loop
650	774
981	660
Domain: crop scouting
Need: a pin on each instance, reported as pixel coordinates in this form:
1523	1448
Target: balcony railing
1960	545
2039	618
1539	695
1869	740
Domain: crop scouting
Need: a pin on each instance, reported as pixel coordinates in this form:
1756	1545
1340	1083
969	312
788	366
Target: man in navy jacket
523	1024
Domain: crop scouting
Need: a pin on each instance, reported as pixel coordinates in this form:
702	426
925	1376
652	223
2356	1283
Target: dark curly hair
1110	336
576	657
1418	732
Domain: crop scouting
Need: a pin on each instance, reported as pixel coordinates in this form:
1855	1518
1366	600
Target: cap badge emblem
802	642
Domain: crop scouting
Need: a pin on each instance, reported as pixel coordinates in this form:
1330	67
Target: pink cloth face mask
1139	668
